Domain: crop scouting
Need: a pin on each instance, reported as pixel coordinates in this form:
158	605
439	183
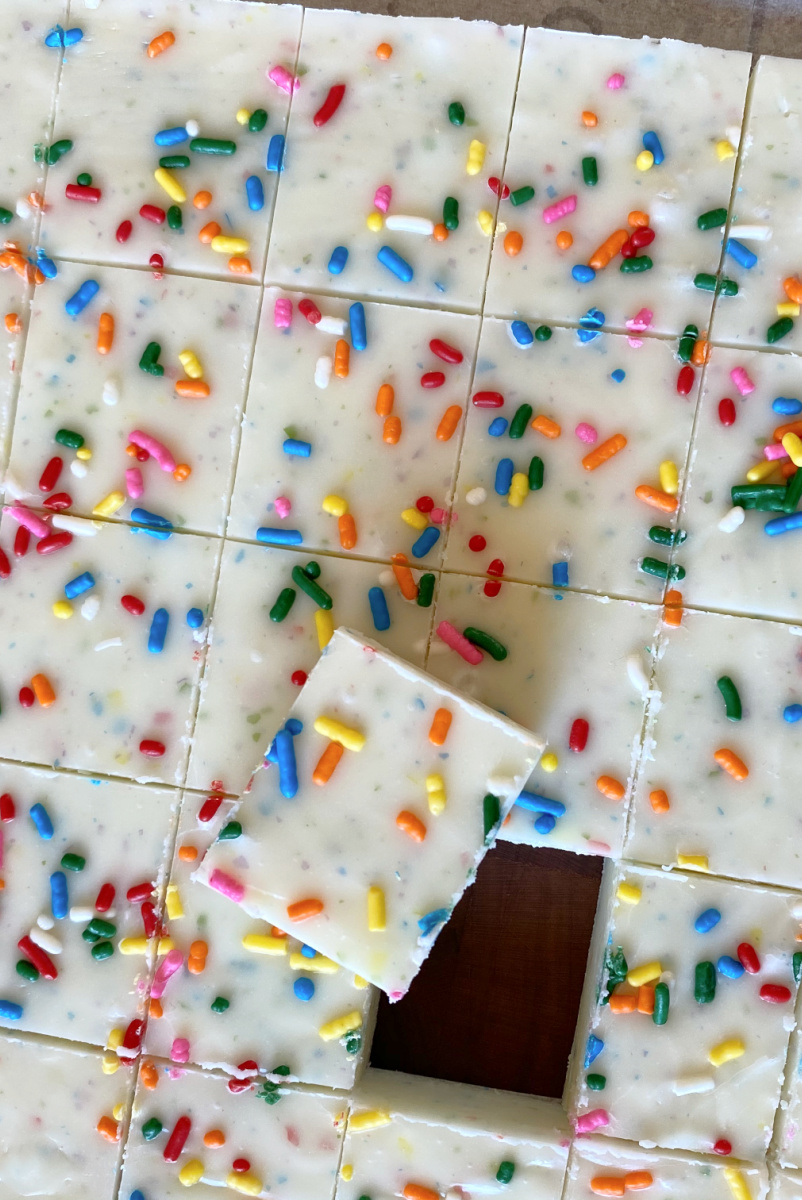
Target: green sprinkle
485	641
268	1091
727	287
6	215
257	120
89	936
590	171
230	832
58	150
426	589
616	970
704	282
765	497
282	1070
100	928
505	1172
518	424
67	437
687	342
174	217
491	812
220	1004
793	493
149	362
312	589
456	113
451	213
714	219
84	179
661	1001
732	701
101	951
542	333
352	1041
283	604
660	569
204	145
704	983
667	537
779	329
596	1083
151	1129
634	266
536	474
26	970
174	162
522	195
797	965
73	862
313	569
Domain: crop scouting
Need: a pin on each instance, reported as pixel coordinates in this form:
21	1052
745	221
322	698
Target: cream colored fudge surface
589	520
567	660
289	1138
787	1144
692	98
14	302
672	1172
746	827
52	1097
111	401
714	1070
69	837
217	65
236	971
745	570
454	1139
398	107
785	1185
348	457
255	664
110	693
370	883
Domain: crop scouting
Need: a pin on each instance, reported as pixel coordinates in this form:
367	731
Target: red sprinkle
133	605
177	1139
722	1146
7	810
148	911
242	1085
133	1035
299	678
449	354
37	956
209	808
726	411
432	379
49	477
685	379
424	504
488	399
330	105
58	502
477	543
310	310
5	565
151	748
139	892
496	567
157	262
142	455
578	738
22	540
54	541
775	993
629	249
240	1164
492	587
124	231
747	957
152	212
643	236
26	697
78	191
105	897
497	188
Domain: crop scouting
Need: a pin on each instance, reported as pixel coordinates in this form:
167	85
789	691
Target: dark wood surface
496	1002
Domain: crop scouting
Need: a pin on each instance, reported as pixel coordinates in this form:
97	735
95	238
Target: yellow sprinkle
549	762
628	893
170	184
645	974
360	983
84	453
645	160
436	794
375	222
173	902
324	624
519	489
117	1112
792	445
333	1030
377	916
726	1051
191	1173
696	862
319	965
669	477
485	220
243	116
724	150
109	505
415	518
476	157
363	1122
166	944
788	309
62	609
191	364
230	245
347	1172
760	471
335	506
115	1038
109	1063
262	943
335	731
737	1183
133	945
244	1181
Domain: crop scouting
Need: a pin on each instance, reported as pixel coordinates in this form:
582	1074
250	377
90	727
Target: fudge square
387	790
427	1137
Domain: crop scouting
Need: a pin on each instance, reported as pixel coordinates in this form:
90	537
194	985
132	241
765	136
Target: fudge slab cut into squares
730	781
62	1121
453	1139
180	105
412	144
122	399
338	443
242	992
195	1129
742	567
101	653
547	479
388	790
256	662
588	110
687	1011
566	672
15	296
598	1163
77	953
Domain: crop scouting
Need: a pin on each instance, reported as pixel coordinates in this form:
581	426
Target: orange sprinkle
43	690
659	801
214	1139
342	358
208	232
604	452
105	333
608	1185
589	119
13	323
448	423
793	289
623	1002
732	764
187	853
192	389
638	219
203	200
161	43
238	265
513	243
132	449
657	499
441	723
546	426
416	1191
637	1180
155	1009
646	1006
608	249
276	932
404	577
385	398
302	910
384	51
613	789
327	763
701	351
346	527
564	240
440	232
196	960
149	1076
791	427
108	1128
182	472
787	469
36	200
392	431
672	614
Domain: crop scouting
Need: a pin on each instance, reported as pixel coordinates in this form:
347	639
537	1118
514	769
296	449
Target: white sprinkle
256	657
476	496
500	785
90	608
109	643
750	233
92	4
334	325
689	1085
76	525
637	675
192	128
45	941
111	392
23	208
405	224
45	921
78	468
796	911
323	369
81	913
732	520
386	578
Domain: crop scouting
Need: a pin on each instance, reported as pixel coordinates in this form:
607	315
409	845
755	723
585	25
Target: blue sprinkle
171	137
279	537
46	265
427	539
158	630
59	899
359	333
255	193
136	1195
304	988
431	920
545	823
339	257
783	524
741	253
195	618
651	142
79	300
9	1011
160	533
498	427
297	448
395	263
792	713
559	574
593	1049
522	333
378	609
590	325
150	522
59	38
41	819
293	726
618	376
287	769
787	406
582	273
730	967
79	585
308	951
707	920
540	804
275	153
504	471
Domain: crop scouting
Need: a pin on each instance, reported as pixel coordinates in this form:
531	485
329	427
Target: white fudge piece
107	398
110	74
787	1145
714	1069
255	665
52	1097
121	832
229	957
765	206
589	522
349	459
692	98
399	108
745	570
595	1161
369	870
14	301
741	825
111	693
290	1138
785	1185
453	1139
573	668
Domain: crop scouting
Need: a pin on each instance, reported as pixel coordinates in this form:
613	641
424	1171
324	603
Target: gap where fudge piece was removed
452	1139
606	1166
387	792
235	970
396	140
689	996
196	1129
183	115
620	140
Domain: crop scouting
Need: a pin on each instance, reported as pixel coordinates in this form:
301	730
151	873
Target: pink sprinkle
227	885
175	1073
586	433
635	343
384	195
438	516
742	381
561	209
284	80
134	483
171	963
282	313
156	449
592	1120
642	320
775	451
179	1051
282	506
454	639
602	848
29	520
393	996
616	81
